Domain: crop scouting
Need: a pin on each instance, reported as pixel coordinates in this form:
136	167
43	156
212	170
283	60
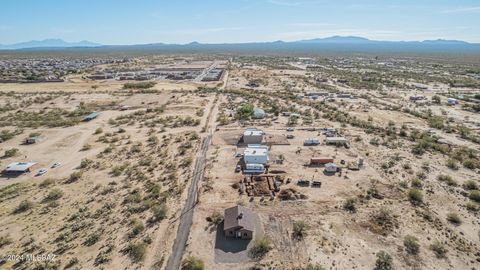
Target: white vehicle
55	165
41	172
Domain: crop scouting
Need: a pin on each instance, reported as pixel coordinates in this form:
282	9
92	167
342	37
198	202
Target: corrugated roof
19	166
238	217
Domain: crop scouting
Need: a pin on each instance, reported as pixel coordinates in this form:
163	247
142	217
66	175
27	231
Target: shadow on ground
233	250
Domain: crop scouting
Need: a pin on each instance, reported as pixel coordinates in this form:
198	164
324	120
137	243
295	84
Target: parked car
290	129
238	168
239	155
55	165
41	172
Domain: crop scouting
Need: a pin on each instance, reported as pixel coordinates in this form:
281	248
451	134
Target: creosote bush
415	196
439	249
384	261
411	244
192	263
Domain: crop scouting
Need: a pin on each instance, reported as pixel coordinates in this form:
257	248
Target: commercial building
239	222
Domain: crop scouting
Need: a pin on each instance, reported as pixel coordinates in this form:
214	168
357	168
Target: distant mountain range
328	44
48	43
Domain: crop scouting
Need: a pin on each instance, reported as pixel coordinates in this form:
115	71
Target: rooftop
238	216
19	166
255	152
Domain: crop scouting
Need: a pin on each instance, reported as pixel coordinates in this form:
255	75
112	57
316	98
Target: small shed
91	116
239	222
311	141
253	136
317	161
330	168
452	101
18	167
335	140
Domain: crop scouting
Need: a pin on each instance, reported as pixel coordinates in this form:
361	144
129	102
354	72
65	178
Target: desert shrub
192	263
85	163
54	195
454	218
86	147
24	205
411	244
75	176
159	212
473	207
314	267
261	247
417	183
439	249
98	131
415	196
384	261
136	251
349	205
137	227
47	182
299	229
216	218
93	238
475	196
138	85
470	185
447	179
452	164
10	153
5	240
71	263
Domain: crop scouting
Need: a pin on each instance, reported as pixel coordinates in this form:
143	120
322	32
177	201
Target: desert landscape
233	161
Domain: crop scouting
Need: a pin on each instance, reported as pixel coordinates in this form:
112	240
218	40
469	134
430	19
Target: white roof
255	152
253	132
333	139
19	166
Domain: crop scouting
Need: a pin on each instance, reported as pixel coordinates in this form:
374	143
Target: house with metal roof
239	222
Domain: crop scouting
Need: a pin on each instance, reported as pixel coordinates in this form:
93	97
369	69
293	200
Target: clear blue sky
213	21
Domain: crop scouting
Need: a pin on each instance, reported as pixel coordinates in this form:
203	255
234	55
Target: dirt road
186	216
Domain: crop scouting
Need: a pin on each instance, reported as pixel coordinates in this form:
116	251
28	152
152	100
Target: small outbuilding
18	167
335	140
239	222
452	101
91	116
253	136
311	141
331	168
317	161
